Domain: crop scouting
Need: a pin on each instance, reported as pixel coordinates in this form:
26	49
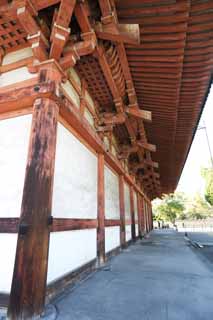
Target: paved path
159	278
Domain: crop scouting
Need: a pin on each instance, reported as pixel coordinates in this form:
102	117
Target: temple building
99	104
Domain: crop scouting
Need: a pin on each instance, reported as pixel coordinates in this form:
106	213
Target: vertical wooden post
145	216
122	212
101	212
27	296
132	213
139	216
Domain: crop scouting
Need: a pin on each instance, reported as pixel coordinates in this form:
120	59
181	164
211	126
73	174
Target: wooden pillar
28	290
132	213
122	212
139	215
145	216
101	212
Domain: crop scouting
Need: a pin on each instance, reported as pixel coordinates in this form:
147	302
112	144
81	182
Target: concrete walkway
159	278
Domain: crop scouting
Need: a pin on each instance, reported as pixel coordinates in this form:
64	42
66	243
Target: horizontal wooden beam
112	222
147	146
60	224
138	113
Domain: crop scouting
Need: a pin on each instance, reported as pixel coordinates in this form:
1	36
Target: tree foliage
170	207
207	174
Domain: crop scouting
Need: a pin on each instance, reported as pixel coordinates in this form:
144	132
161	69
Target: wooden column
143	216
139	216
101	212
30	271
132	213
122	212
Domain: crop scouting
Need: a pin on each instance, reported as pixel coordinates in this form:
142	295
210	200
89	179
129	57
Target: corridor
158	278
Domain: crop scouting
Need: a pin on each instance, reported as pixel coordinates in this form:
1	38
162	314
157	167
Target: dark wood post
139	216
132	213
122	212
27	296
101	212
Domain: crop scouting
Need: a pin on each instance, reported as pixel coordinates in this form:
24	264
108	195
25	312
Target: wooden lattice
89	69
12	35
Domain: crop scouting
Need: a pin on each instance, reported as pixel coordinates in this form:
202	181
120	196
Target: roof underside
171	71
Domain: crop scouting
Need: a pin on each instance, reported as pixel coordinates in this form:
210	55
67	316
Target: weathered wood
122	212
101	211
139	216
30	271
9	225
112	222
60	224
132	208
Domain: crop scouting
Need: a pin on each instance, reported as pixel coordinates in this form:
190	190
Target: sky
191	181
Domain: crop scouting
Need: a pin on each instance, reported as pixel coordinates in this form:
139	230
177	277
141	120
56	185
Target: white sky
199	156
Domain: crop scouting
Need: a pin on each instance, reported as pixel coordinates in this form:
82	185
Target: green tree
170	207
207	174
198	208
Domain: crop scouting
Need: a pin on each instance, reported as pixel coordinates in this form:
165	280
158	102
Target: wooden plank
9	225
138	113
112	222
122	211
60	224
147	146
101	211
27	296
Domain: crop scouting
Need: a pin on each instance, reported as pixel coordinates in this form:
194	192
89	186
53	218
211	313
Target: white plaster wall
69	250
15	76
128	232
127	201
136	229
112	238
75	179
8	250
71	93
14	141
135	205
15	56
111	181
73	74
89	117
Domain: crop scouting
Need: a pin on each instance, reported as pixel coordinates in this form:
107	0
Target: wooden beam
27	296
148	146
60	224
122	211
101	212
129	34
140	114
61	30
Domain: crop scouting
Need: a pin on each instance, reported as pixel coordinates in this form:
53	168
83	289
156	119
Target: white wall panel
14	142
75	180
70	250
111	181
112	238
16	75
8	251
128	232
136	229
127	201
135	206
15	56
